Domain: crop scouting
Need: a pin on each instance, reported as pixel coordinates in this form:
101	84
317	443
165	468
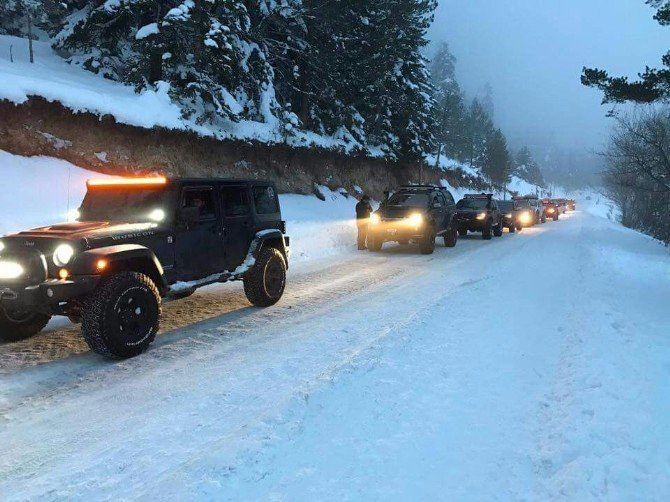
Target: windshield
505	205
132	205
406	199
472	204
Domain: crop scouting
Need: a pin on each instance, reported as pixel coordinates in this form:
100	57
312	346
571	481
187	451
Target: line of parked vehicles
138	242
423	213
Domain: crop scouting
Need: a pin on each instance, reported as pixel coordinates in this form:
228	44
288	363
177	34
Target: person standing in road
363	211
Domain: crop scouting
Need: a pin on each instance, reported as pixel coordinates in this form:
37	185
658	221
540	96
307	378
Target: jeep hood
90	230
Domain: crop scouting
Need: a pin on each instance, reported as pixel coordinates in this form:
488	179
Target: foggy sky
532	52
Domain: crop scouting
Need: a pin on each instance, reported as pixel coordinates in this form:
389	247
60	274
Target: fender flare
124	257
272	238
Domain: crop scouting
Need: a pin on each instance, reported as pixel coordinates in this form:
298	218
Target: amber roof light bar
155	180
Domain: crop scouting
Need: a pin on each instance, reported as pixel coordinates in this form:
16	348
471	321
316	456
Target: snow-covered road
535	366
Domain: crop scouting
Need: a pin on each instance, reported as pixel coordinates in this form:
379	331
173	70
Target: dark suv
136	242
512	215
551	209
479	213
417	213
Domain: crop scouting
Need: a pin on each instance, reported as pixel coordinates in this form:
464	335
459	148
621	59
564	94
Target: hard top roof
421	187
478	196
171	180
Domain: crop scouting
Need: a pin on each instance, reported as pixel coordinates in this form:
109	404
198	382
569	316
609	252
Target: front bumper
47	294
471	224
395	231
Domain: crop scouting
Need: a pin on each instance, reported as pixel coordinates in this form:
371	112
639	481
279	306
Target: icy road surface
535	366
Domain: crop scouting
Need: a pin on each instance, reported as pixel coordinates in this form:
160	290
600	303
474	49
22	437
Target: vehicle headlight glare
157	215
63	255
375	219
10	270
416	220
481	216
509	215
2	246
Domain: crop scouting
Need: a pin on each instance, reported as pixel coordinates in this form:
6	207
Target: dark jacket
363	210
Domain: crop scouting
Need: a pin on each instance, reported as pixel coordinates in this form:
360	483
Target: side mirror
189	215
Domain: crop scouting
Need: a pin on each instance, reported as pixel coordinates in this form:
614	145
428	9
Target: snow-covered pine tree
28	17
497	165
449	111
526	168
201	48
396	98
279	28
479	128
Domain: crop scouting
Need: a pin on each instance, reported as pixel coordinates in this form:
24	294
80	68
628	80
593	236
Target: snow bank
38	190
319	228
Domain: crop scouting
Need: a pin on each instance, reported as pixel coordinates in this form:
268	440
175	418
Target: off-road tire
519	229
451	238
374	244
265	282
112	305
556	217
543	220
487	232
462	232
511	229
427	242
13	330
498	230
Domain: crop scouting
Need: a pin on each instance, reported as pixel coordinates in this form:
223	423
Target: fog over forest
532	54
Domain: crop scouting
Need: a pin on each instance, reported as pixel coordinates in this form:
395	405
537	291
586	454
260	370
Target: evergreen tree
497	165
527	169
652	85
479	128
449	119
487	100
23	18
395	101
201	48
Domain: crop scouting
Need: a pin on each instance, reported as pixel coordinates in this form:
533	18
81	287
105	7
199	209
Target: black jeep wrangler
479	213
136	242
416	213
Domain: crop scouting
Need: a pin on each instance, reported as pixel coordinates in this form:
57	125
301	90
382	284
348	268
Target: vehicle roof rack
410	187
478	196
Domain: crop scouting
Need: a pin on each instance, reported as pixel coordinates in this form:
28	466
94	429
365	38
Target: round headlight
481	216
375	219
63	255
416	219
157	215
